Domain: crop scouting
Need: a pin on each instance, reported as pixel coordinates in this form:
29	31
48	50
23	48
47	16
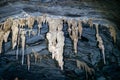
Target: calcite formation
73	29
56	39
55	36
23	44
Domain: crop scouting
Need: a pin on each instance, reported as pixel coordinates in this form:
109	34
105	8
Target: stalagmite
80	28
14	33
100	43
23	44
28	62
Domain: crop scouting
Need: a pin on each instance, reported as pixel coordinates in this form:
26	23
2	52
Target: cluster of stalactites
56	39
75	31
100	43
40	20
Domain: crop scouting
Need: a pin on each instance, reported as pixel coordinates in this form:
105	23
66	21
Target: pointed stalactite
80	28
23	44
22	22
39	20
100	43
60	47
73	33
1	39
14	33
18	43
69	27
28	62
113	33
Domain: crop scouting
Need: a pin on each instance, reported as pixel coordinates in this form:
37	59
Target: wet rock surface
47	68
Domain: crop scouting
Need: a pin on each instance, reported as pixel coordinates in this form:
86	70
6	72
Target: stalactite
8	24
55	38
30	23
29	32
80	28
43	17
84	66
69	27
14	33
18	43
113	33
1	26
22	22
100	43
74	34
39	20
1	39
60	47
37	57
51	35
28	62
6	35
90	22
23	44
